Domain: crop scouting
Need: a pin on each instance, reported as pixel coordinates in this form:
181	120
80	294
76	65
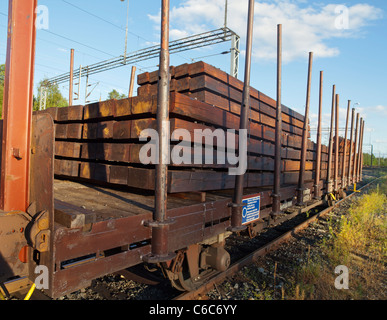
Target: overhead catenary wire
72	40
184	44
104	20
77	42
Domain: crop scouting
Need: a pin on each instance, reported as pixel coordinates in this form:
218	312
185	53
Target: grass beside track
357	241
353	236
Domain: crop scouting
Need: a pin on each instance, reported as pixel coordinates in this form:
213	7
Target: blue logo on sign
251	209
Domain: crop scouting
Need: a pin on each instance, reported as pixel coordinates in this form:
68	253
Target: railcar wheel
187	283
194	266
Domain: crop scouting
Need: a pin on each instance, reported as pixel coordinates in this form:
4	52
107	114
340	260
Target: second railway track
268	247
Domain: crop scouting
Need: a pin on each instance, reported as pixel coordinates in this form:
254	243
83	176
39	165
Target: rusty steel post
330	150
317	194
304	147
362	140
354	151
351	148
276	207
131	85
343	175
160	223
344	180
237	205
359	164
337	146
71	77
17	105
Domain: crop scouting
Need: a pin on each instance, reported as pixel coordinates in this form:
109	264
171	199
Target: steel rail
262	251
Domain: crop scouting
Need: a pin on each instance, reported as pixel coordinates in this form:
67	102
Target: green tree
54	96
114	94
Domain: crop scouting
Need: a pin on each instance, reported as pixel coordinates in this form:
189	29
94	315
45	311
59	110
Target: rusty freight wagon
78	199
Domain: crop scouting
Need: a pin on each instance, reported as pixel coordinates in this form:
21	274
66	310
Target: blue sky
351	55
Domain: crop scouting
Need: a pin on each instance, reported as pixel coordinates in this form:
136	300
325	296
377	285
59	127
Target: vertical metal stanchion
276	207
350	180
317	192
237	204
160	223
354	151
330	149
343	175
337	146
301	177
359	164
361	159
17	106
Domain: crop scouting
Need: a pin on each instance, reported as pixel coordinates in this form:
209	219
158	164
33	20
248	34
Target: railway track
272	245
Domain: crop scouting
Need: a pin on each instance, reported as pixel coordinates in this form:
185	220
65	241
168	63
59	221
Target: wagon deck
109	203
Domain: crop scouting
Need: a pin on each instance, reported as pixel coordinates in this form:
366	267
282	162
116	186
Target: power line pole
71	77
43	97
126	32
225	13
79	84
235	42
131	86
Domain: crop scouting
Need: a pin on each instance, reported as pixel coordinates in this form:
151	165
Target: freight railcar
80	184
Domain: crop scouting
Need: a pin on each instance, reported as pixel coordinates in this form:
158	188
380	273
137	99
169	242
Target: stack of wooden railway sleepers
100	143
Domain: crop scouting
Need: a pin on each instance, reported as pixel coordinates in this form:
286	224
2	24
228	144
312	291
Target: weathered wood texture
100	142
213	86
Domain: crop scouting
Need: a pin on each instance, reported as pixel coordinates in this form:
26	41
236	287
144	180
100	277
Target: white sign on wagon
250	211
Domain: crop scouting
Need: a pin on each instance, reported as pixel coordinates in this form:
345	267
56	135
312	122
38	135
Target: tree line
54	96
376	161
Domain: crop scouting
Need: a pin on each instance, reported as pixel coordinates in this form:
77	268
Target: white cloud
376	110
306	27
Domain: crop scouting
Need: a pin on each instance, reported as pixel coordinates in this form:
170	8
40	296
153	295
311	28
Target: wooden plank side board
100	142
189	111
178	180
201	68
73	113
259	113
260	155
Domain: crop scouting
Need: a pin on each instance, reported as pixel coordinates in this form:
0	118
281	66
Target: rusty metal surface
301	179
330	151
239	179
344	177
41	207
12	240
317	194
278	129
354	177
337	147
42	164
360	152
20	229
350	176
17	106
160	223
